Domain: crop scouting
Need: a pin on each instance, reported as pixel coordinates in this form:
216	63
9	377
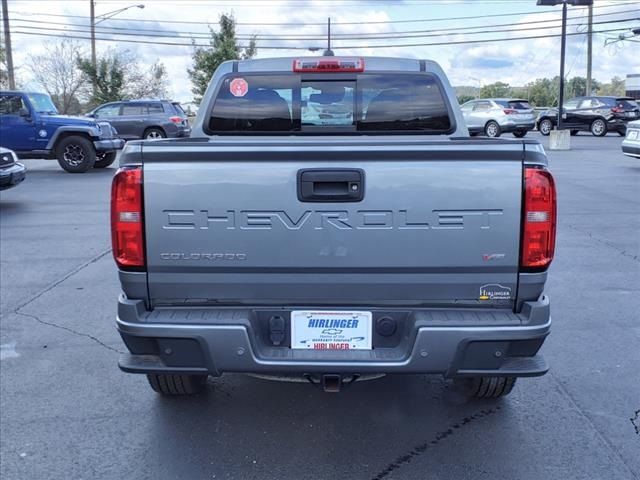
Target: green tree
615	87
119	74
543	92
465	98
108	76
223	47
576	87
495	90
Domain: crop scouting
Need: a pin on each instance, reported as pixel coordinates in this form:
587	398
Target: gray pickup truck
330	218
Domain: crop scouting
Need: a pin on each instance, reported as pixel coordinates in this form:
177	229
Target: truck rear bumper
230	344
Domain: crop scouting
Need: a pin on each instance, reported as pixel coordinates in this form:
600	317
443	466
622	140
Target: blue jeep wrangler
30	126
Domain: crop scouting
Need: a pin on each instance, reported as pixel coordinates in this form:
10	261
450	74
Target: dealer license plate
331	330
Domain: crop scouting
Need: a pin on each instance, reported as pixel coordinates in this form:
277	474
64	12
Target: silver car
631	142
495	116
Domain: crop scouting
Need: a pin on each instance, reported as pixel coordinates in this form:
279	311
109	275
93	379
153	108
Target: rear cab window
330	104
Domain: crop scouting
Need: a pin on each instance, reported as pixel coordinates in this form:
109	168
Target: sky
429	29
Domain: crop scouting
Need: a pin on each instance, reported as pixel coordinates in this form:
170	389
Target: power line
281	47
348	36
428	35
427	20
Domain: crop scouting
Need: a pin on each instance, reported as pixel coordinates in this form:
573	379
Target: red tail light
127	223
539	232
176	119
617	110
510	111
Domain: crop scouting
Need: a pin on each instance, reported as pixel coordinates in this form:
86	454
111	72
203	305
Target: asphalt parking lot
66	410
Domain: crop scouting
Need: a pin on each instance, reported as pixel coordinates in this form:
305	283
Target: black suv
144	118
597	115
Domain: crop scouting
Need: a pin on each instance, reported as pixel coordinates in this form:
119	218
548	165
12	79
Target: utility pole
93	43
589	49
328	52
7	42
563	45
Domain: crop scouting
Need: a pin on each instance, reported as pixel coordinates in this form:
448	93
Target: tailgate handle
331	185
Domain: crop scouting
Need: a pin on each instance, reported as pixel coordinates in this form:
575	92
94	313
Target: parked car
146	119
329	238
12	173
597	115
495	116
631	143
31	126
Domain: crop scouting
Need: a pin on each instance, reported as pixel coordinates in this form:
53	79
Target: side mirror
90	115
23	112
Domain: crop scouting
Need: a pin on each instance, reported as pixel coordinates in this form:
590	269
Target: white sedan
631	142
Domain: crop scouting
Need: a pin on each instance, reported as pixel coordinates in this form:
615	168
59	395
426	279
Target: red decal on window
238	87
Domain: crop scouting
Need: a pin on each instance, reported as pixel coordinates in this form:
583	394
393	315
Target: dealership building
632	85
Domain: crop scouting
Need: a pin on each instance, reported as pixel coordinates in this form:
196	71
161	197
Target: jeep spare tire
76	154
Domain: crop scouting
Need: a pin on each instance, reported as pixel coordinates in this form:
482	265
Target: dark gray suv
144	118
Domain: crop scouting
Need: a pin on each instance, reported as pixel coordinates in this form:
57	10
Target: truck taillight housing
539	222
127	222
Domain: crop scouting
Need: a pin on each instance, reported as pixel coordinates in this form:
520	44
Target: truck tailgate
438	224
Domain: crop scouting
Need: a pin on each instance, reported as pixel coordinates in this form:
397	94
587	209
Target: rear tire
75	154
492	129
519	133
598	127
574	132
485	387
168	384
154	134
545	127
104	160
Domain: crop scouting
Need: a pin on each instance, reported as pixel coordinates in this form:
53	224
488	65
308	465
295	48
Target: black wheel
75	154
598	127
154	133
574	132
485	387
545	126
167	384
492	129
519	133
103	160
622	133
